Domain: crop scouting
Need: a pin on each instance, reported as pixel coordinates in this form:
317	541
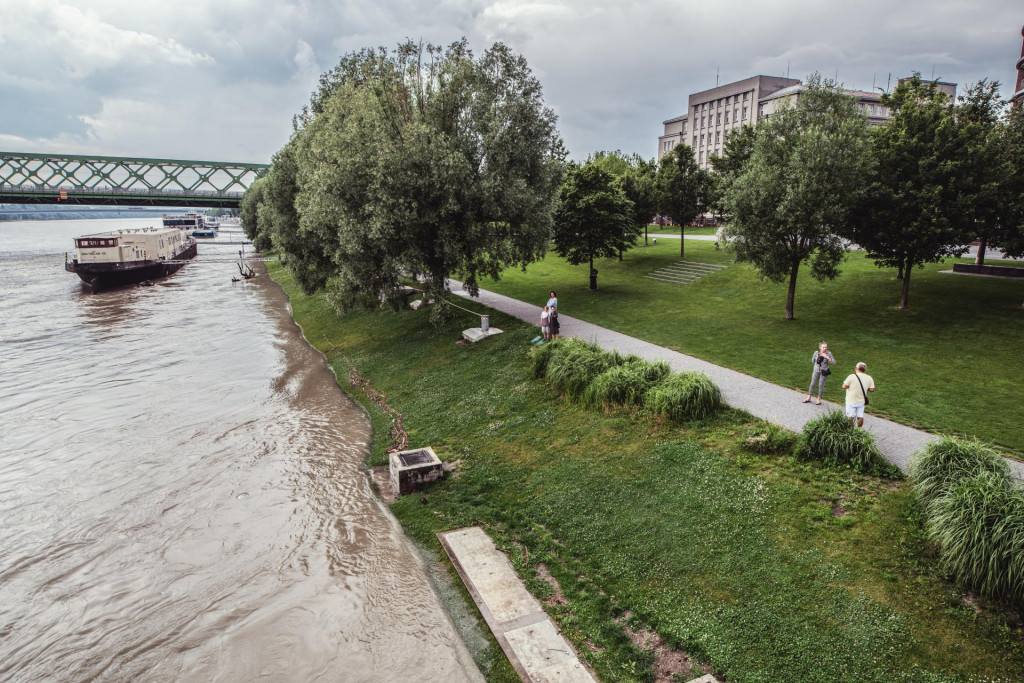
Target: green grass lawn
952	363
762	567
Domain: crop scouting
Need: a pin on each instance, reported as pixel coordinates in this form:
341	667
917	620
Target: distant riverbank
652	545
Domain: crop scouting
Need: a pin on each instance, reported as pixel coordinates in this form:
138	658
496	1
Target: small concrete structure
475	334
413	468
520	625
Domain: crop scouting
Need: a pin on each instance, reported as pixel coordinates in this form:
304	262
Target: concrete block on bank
413	468
475	334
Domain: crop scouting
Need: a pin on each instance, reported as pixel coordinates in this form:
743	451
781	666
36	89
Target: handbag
867	401
825	370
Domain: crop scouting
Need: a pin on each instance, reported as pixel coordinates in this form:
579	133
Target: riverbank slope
662	547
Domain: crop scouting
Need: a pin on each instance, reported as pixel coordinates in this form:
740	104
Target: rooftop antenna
873	82
716	75
787	67
888	81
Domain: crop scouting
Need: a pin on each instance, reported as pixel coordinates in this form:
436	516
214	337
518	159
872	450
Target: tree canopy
794	196
913	211
423	162
683	189
594	220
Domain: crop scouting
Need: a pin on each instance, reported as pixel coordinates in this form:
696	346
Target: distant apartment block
713	114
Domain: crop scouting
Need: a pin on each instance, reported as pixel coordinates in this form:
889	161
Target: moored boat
124	257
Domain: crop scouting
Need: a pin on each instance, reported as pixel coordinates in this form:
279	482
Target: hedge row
585	373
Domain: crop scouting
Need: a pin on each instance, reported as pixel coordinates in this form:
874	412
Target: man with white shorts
857	385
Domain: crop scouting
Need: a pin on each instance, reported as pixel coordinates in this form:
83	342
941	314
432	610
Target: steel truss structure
124	181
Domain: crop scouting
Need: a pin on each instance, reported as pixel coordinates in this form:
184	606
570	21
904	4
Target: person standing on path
553	315
545	330
821	360
857	387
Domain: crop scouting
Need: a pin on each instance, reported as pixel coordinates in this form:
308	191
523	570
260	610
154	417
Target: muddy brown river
183	493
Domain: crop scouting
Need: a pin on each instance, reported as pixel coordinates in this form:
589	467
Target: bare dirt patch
557	597
838	510
669	663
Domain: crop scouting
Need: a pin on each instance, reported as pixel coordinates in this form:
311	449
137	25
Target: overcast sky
221	79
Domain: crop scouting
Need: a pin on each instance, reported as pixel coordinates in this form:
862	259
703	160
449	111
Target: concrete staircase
684	272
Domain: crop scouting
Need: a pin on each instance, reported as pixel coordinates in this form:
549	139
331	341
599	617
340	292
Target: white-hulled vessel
123	257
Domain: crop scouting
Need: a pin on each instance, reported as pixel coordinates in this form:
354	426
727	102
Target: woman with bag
821	359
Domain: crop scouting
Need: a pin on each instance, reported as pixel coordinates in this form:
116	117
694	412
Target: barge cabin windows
96	242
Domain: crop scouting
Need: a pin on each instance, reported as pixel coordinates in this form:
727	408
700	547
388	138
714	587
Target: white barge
124	257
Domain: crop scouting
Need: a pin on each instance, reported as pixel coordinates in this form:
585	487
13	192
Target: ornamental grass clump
768	439
575	364
978	525
626	384
540	356
684	396
940	465
834	441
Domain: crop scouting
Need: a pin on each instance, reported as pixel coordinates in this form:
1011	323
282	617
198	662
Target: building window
694	140
745	95
718	137
719	120
744	113
727	116
702	157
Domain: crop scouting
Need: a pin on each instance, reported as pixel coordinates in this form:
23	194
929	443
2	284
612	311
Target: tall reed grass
974	513
574	365
626	384
684	396
835	442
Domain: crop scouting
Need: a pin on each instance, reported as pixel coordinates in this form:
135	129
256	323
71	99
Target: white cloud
221	79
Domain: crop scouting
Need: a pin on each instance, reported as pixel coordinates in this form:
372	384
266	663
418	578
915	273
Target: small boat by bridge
124	257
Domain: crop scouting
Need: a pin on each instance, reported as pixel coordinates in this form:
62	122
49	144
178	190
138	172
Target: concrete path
518	621
762	399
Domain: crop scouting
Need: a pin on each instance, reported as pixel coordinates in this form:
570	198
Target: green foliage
424	162
683	188
979	527
941	464
249	212
541	355
684	396
594	218
626	384
834	441
575	364
769	439
807	170
911	214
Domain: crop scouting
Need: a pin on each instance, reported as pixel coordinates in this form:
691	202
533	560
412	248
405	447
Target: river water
182	489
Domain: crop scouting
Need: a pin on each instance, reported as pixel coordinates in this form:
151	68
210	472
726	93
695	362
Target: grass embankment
949	364
762	566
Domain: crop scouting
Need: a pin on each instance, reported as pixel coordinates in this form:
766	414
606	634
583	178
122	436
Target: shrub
684	396
939	465
979	526
769	439
626	384
574	365
540	356
835	442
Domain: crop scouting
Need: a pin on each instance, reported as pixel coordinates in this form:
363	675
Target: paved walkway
759	398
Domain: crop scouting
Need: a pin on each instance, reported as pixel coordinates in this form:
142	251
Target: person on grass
857	387
821	360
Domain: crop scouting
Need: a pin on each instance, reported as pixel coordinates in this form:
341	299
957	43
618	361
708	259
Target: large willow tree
423	163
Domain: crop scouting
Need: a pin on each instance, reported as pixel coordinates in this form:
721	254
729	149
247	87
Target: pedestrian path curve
762	399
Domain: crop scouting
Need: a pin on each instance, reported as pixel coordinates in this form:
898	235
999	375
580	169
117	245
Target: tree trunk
791	295
645	234
682	240
906	288
979	260
899	271
620	253
593	278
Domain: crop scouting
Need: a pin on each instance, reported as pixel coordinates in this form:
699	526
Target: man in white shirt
857	385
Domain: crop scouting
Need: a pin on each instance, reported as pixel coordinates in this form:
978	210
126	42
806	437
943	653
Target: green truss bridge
121	181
